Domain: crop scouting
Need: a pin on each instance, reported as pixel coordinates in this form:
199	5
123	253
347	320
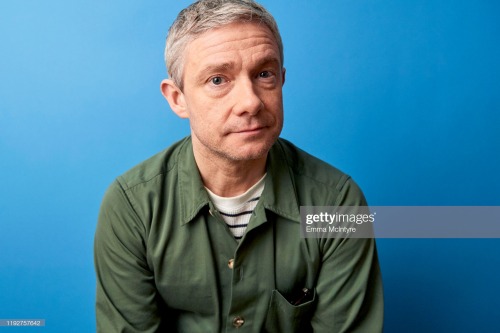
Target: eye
217	80
265	74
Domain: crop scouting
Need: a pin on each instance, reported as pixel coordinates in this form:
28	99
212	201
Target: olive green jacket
167	262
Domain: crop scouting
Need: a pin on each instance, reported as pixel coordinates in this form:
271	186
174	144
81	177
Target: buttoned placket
252	276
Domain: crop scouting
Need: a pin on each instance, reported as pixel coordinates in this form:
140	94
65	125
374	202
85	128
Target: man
205	236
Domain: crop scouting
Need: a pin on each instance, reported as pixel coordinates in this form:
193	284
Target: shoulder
316	179
133	194
145	183
306	165
156	167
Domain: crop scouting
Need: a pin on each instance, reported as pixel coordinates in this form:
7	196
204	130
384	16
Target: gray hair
204	15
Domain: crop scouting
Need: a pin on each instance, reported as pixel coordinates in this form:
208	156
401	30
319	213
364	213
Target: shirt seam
296	172
130	202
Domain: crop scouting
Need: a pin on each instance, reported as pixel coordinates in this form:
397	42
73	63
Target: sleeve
349	285
126	297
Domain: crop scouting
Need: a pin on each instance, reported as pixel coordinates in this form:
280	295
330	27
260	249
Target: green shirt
167	262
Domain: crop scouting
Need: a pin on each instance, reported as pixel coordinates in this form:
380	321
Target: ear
283	72
175	98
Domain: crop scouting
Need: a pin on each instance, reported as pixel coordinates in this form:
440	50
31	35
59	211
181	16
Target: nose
247	99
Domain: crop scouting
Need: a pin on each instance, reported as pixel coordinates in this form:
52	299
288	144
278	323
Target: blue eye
217	80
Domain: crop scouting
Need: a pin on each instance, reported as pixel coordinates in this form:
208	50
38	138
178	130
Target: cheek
276	109
206	119
274	100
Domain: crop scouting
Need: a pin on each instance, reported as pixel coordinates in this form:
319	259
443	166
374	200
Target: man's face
233	80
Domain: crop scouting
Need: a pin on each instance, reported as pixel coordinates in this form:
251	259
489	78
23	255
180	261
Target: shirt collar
191	192
279	194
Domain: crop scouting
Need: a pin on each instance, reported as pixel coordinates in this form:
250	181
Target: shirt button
230	263
238	321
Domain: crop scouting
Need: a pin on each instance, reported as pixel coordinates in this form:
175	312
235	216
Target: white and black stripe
237	211
237	219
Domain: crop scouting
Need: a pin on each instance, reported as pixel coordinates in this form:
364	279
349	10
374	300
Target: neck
229	178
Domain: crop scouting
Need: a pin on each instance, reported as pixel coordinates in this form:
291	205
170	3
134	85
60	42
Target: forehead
235	40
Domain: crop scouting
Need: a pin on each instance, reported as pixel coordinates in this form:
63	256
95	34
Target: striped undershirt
237	211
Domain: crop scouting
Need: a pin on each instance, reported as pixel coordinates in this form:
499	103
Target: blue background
402	95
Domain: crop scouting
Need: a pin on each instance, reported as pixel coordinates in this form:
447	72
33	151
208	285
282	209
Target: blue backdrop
402	95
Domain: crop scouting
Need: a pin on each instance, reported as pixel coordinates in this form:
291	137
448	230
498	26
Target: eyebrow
214	68
269	60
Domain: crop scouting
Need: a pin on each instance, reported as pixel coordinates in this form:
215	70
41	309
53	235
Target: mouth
251	130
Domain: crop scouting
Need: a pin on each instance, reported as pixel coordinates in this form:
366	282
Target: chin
251	153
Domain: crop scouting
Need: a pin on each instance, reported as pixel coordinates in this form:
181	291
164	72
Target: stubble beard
230	154
212	149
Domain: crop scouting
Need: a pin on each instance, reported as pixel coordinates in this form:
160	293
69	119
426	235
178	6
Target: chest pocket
285	317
